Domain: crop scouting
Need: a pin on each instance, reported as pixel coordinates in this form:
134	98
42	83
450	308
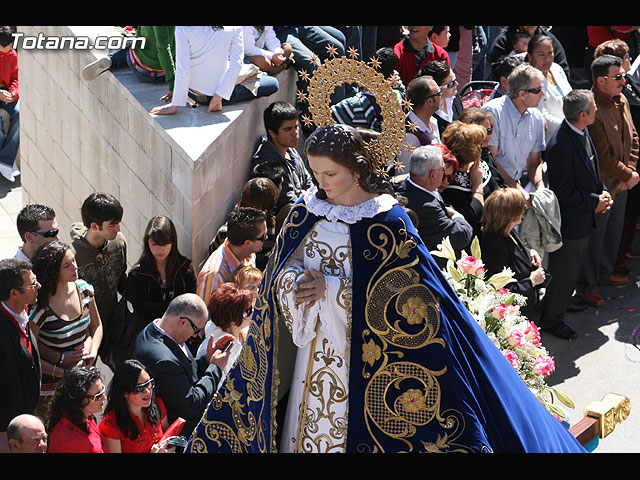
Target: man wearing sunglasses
424	94
185	384
246	234
616	143
518	135
20	372
36	225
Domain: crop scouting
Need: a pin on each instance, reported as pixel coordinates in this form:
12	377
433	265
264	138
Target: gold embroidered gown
317	411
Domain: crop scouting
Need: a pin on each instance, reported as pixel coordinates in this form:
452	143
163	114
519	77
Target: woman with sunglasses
230	310
72	425
135	418
65	319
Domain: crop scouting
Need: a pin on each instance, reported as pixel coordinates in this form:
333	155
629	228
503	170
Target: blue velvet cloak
423	375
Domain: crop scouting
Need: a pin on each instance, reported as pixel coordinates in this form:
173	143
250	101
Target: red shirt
67	438
599	34
407	65
9	72
148	434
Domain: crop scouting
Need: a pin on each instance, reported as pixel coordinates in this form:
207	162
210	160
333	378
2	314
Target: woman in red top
134	419
72	424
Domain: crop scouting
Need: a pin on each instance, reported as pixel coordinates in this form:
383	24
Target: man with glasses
185	383
20	373
246	234
518	134
424	95
36	225
616	143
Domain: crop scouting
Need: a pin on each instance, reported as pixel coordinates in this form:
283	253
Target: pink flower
512	358
543	365
516	338
504	291
471	265
501	310
532	333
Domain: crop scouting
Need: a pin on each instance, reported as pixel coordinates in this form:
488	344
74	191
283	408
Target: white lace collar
348	213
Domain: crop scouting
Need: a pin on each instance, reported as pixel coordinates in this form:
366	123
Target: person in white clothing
263	48
554	84
209	61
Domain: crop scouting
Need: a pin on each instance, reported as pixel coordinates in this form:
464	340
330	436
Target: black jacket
574	179
147	296
499	251
20	373
185	384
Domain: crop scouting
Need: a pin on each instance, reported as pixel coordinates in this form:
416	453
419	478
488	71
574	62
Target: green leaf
475	248
563	398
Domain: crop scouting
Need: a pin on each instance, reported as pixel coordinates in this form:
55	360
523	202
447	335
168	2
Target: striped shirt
61	334
219	269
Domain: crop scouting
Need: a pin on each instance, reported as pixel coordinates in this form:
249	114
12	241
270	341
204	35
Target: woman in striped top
65	319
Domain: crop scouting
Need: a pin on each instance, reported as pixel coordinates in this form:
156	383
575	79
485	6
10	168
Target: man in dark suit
20	373
574	177
436	220
185	384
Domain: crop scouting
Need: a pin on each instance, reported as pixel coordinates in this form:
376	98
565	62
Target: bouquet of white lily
497	311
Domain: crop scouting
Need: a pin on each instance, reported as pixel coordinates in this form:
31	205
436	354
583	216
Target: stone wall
78	137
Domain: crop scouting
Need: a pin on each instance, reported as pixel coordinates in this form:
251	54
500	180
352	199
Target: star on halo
331	50
353	52
306	120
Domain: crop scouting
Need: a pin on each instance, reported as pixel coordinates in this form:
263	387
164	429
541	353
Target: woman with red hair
230	310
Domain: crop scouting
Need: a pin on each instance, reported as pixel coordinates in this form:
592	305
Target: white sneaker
91	71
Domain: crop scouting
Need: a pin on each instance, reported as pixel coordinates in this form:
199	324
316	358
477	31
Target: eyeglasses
196	330
439	92
97	396
451	83
263	238
150	384
248	312
48	234
617	77
489	130
535	91
33	285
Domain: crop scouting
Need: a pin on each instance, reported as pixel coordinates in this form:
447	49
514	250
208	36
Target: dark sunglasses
263	238
196	330
439	92
48	233
248	312
617	78
138	389
451	83
535	91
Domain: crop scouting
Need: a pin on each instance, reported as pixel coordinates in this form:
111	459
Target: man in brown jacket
616	142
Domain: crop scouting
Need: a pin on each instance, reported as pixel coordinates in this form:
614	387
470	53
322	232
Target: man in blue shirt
518	133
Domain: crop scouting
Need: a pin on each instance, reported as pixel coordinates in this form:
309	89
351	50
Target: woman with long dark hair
72	425
161	273
65	319
135	418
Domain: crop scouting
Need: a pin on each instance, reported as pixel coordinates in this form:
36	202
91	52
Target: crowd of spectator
543	146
